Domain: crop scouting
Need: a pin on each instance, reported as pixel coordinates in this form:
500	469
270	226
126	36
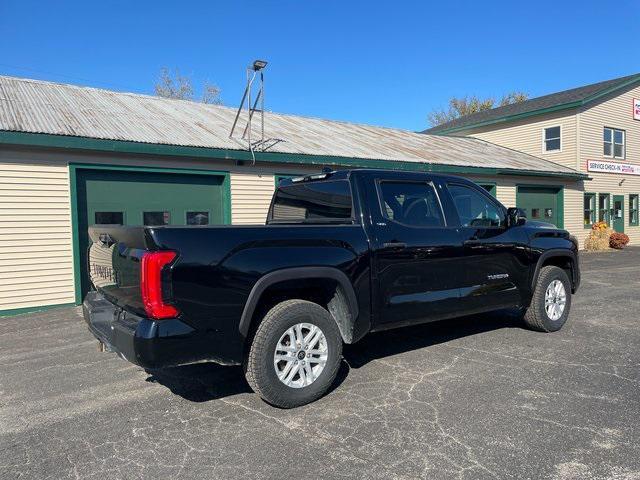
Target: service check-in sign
612	167
636	108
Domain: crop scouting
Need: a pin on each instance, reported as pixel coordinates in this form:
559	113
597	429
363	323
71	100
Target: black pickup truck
342	254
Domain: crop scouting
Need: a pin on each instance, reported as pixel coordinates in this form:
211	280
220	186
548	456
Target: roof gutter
94	144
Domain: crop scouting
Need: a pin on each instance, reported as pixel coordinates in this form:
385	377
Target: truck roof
345	174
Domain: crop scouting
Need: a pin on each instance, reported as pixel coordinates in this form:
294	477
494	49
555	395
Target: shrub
618	240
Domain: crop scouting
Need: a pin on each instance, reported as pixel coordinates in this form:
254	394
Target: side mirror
516	217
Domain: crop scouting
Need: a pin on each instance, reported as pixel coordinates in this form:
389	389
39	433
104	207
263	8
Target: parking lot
473	398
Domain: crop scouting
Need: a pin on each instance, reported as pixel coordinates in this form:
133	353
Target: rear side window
411	203
312	202
474	208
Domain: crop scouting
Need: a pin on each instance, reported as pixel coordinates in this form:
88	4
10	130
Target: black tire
536	316
259	363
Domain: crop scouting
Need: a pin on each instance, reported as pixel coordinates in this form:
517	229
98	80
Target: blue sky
382	63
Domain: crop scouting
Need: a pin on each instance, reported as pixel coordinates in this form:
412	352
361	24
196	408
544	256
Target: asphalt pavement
473	398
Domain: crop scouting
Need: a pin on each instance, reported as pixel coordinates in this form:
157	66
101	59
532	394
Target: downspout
578	139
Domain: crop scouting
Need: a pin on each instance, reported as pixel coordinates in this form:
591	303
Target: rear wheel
295	354
551	300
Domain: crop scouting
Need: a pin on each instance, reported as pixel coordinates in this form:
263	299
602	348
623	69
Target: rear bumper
145	342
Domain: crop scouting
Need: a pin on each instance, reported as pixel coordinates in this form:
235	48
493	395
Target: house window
603	207
589	209
552	139
614	142
633	210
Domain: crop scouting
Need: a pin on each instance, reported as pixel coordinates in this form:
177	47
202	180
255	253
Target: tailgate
114	264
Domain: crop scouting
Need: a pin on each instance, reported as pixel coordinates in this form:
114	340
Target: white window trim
613	144
544	143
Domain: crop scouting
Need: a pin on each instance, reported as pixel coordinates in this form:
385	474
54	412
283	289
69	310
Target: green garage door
542	204
145	198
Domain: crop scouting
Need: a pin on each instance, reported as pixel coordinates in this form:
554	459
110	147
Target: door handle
471	241
396	245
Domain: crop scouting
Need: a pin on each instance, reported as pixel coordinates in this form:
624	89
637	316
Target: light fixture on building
621	182
259	65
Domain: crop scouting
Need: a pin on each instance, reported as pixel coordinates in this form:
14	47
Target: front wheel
295	354
551	300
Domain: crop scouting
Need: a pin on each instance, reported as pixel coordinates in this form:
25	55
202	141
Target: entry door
417	258
618	213
494	255
540	203
144	198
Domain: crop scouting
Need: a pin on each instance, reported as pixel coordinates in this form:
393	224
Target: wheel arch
565	259
343	307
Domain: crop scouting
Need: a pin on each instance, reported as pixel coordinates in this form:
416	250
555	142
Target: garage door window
109	218
197	218
156	218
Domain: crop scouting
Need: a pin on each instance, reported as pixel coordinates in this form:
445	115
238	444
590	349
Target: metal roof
567	98
35	106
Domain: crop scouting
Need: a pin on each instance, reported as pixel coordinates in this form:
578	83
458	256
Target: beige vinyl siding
613	111
506	194
526	135
36	258
250	197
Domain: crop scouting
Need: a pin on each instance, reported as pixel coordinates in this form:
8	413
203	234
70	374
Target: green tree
461	106
174	85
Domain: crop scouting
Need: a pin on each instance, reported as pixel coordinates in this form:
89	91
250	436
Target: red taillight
151	285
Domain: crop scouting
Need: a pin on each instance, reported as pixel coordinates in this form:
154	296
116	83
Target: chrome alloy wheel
300	356
555	300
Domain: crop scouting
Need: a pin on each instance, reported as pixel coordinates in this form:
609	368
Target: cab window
411	203
474	208
312	202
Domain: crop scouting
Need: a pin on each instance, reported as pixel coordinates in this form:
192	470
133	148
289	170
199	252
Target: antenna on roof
252	71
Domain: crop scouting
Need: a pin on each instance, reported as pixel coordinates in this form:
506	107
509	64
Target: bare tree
174	85
211	94
459	107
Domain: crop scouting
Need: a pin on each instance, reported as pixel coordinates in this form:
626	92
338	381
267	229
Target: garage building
73	156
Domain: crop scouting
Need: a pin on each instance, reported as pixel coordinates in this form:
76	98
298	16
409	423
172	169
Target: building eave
128	147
